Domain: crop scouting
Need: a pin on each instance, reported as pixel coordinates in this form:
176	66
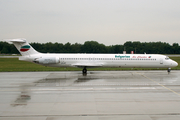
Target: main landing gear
84	71
169	70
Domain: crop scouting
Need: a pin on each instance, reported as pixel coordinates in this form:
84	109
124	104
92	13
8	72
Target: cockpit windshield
167	58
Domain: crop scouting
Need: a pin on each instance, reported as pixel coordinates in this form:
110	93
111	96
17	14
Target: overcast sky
106	21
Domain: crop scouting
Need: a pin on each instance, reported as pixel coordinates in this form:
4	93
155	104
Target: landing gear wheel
84	71
169	70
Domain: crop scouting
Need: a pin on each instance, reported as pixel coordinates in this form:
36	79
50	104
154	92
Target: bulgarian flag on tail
25	48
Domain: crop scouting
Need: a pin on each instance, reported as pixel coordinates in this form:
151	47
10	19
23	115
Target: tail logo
25	48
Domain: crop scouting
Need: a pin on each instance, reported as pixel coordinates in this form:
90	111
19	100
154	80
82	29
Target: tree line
95	47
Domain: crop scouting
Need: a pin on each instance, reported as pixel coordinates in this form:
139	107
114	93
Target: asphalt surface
99	95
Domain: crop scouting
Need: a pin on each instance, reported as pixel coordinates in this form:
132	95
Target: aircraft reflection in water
59	82
92	60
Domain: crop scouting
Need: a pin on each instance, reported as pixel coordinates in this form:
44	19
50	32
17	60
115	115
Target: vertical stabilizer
23	47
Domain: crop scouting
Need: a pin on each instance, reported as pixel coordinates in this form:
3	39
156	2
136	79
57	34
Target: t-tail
23	47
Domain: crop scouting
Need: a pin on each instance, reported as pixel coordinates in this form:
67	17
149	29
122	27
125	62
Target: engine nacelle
47	60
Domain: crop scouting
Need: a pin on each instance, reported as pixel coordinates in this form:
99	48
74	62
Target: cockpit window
167	58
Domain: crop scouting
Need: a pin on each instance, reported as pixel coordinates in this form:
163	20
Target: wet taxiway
99	95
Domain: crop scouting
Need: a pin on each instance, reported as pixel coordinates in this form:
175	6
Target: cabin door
161	61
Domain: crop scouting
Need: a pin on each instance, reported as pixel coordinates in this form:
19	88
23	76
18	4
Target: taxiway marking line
159	84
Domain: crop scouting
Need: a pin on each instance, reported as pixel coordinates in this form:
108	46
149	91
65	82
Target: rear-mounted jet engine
48	60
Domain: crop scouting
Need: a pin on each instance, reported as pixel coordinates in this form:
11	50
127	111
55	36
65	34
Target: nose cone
174	64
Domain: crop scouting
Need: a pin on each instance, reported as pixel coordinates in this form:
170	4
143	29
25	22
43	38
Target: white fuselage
102	60
92	60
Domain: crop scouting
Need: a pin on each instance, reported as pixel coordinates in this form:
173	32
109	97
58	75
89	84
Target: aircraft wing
88	65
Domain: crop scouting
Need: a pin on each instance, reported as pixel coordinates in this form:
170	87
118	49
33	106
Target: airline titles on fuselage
118	56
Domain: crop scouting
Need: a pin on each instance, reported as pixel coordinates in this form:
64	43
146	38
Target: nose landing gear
169	70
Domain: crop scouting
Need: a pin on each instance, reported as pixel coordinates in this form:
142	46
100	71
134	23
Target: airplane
85	61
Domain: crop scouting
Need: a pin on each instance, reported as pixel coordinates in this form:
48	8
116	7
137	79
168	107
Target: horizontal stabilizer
16	40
